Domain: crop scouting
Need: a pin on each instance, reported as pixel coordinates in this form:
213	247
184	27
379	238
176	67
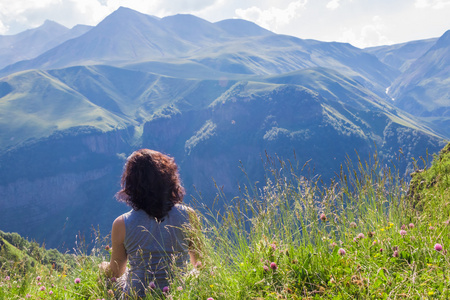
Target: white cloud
333	4
435	4
272	17
367	35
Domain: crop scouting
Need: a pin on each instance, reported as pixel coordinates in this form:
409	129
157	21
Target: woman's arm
116	267
195	237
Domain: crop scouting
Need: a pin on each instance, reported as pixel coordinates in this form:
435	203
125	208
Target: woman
153	235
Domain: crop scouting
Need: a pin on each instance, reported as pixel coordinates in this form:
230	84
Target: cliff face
56	188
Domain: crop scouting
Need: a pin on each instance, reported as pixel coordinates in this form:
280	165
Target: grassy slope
358	238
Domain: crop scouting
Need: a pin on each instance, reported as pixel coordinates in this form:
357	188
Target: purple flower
402	232
438	247
77	280
273	266
180	288
323	217
266	268
333	244
381	250
38	278
42	288
341	252
113	279
28	296
152	285
360	236
353	225
395	254
7	278
50	293
411	225
403	227
274	246
165	289
210	298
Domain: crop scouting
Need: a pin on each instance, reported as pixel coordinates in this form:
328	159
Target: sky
363	23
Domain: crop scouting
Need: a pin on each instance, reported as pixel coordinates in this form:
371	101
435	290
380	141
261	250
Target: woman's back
152	246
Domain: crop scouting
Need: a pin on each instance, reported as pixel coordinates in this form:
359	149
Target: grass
362	236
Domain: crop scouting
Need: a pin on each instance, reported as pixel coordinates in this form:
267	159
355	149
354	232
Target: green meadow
368	234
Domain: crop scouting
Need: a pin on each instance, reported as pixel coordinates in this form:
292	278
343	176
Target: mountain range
216	96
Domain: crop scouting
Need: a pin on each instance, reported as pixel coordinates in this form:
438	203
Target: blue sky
362	23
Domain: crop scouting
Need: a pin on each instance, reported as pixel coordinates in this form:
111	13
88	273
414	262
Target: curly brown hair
151	182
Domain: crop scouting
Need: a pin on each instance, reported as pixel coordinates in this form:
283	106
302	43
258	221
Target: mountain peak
240	27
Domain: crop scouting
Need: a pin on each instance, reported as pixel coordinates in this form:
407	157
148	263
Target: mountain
424	88
33	42
70	129
229	46
401	56
218	97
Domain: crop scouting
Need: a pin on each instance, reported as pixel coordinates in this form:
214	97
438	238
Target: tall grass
357	236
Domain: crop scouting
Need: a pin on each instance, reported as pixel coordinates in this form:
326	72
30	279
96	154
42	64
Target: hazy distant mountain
33	42
213	95
401	56
424	88
230	46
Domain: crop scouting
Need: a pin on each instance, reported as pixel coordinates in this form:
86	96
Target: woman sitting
153	235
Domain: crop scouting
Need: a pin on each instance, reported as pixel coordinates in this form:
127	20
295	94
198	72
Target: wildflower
355	240
165	289
438	247
430	293
39	283
395	254
374	242
360	236
274	247
210	298
266	268
211	285
42	288
341	252
28	296
411	225
353	225
7	278
431	227
447	222
333	244
371	233
403	227
107	248
402	232
111	293
273	266
198	265
50	293
113	279
38	278
323	217
381	250
180	288
77	280
152	285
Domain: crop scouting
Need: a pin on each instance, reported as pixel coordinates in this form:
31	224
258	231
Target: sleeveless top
153	247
